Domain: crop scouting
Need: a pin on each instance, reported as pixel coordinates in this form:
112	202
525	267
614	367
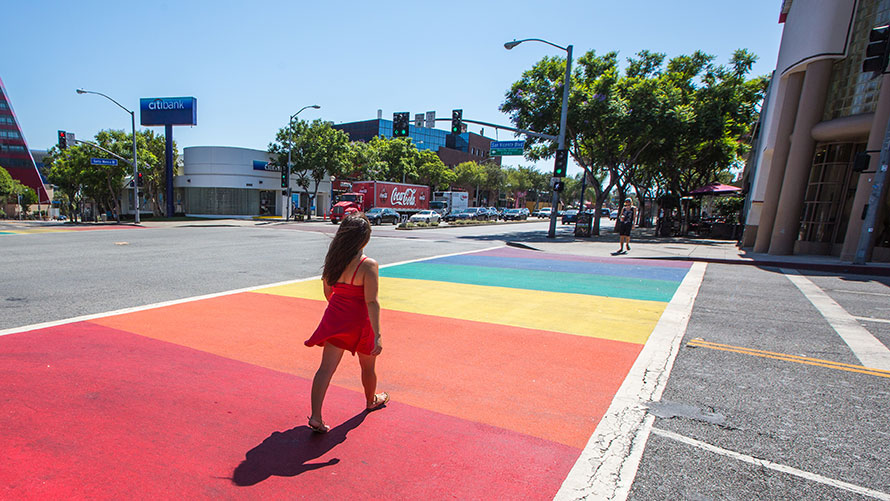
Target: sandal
380	400
323	428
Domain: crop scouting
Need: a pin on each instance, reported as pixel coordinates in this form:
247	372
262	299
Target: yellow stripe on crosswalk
616	319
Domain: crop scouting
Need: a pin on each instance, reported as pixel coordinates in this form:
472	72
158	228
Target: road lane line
866	347
122	311
870	319
790	358
862	292
763	463
608	464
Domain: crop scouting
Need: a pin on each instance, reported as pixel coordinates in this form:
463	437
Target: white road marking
862	292
870	319
867	348
763	463
84	318
609	461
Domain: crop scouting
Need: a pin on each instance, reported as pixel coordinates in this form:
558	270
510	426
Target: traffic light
559	186
559	165
457	120
139	179
63	140
400	124
860	162
876	52
285	176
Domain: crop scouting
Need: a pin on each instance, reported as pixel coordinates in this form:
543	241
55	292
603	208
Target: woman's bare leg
369	376
330	359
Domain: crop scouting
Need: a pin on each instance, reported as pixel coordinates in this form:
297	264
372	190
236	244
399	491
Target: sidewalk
645	245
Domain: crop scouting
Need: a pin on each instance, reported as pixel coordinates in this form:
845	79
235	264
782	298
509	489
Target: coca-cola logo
403	197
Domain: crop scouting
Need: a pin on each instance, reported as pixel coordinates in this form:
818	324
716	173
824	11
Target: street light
562	117
290	147
135	168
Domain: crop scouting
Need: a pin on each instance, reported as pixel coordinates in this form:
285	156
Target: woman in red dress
352	318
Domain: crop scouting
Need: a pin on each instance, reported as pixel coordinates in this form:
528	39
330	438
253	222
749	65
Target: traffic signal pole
561	142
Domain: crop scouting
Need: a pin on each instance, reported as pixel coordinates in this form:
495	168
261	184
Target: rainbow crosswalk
500	364
36	230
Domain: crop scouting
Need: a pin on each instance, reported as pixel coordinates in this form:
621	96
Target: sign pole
168	137
867	235
135	169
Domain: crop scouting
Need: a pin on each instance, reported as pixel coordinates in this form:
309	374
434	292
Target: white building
238	182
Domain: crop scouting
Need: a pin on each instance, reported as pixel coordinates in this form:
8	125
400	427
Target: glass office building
15	156
451	148
422	137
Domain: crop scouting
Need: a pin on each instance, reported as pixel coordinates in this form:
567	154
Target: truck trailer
406	199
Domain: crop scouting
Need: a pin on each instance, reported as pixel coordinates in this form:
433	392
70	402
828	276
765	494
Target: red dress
345	323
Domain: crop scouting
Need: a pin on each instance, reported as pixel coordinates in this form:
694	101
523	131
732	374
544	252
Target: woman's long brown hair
353	234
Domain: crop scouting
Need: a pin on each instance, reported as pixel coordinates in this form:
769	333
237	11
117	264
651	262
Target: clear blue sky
252	64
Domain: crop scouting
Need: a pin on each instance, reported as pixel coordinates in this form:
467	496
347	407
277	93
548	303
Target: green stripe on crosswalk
575	283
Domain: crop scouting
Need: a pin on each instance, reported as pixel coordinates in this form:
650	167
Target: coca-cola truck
406	199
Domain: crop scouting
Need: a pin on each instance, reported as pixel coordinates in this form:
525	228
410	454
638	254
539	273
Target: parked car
542	213
605	211
514	215
425	216
477	213
527	213
379	215
494	213
570	216
474	213
613	214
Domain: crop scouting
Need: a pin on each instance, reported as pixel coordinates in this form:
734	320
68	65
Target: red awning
715	189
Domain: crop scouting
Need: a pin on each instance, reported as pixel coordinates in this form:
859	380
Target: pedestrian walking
626	223
351	321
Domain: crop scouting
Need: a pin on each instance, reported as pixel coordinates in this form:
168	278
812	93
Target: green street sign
505	148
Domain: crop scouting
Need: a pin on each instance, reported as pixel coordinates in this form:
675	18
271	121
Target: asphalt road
823	421
55	276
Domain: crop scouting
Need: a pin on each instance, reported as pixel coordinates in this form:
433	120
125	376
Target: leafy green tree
5	184
27	197
495	181
364	163
316	151
673	126
432	172
152	164
68	171
469	175
398	158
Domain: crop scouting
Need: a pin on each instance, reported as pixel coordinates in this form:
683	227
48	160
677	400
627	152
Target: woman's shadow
287	454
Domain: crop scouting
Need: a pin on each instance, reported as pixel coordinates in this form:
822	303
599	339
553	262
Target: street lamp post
561	141
290	146
135	167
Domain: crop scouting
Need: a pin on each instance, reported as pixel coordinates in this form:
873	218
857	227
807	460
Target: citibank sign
168	111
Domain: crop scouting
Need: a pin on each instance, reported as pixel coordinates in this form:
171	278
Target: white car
425	216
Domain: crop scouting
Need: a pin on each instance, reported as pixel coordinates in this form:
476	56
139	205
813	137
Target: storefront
237	182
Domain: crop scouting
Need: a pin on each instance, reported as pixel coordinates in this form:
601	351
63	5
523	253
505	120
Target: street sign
503	148
103	161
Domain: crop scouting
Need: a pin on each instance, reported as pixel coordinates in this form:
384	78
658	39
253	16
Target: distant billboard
168	111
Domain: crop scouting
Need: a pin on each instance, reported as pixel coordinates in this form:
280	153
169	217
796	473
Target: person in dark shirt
626	219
